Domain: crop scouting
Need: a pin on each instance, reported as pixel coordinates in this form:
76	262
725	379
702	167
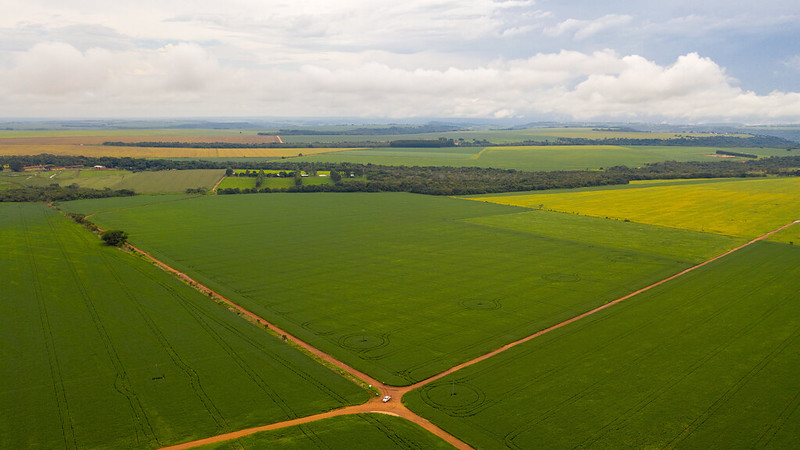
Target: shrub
114	237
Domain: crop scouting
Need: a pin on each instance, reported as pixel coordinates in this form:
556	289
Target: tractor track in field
394	407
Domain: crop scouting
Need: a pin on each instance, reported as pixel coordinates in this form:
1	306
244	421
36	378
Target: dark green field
102	350
361	431
401	286
706	361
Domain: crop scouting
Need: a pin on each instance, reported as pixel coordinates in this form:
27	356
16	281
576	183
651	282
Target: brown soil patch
98	140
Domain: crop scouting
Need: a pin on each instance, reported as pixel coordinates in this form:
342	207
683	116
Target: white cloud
582	29
385	58
793	63
185	79
54	68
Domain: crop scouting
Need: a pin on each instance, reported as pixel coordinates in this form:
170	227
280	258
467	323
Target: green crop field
708	360
158	182
91	206
102	350
360	431
402	286
746	207
238	182
497	136
271	182
535	158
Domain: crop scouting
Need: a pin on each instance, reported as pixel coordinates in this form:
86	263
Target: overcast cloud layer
529	60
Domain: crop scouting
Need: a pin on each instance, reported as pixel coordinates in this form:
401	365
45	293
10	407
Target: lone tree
114	237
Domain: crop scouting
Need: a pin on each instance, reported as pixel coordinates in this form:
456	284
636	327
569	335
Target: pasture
103	350
360	431
401	286
705	361
239	183
744	208
167	181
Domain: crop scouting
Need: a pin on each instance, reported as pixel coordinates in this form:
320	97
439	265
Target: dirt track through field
214	189
394	406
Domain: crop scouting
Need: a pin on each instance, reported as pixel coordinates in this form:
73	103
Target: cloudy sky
679	61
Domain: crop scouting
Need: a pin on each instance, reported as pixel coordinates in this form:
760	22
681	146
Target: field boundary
395	407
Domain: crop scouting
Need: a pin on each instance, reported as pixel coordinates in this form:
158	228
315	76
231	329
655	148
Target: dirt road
214	189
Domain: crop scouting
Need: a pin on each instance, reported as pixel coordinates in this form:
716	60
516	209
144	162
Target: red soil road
394	406
214	189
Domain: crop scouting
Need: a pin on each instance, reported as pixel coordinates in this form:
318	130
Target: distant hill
369	131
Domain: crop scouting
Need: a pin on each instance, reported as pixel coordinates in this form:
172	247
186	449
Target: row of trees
739	154
422	143
438	180
54	192
115	238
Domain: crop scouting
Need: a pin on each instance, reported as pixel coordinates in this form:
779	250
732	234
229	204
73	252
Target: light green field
745	208
401	286
166	181
708	360
159	182
271	182
102	350
497	136
238	182
667	242
361	431
91	206
533	158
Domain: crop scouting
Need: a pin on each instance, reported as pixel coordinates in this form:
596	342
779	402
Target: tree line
446	180
55	192
739	154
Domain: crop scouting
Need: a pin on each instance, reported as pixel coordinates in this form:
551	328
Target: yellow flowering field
746	207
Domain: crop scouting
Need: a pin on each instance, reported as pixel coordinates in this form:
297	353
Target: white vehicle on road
387	398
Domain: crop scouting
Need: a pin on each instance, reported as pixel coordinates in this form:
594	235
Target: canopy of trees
114	237
422	180
55	192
